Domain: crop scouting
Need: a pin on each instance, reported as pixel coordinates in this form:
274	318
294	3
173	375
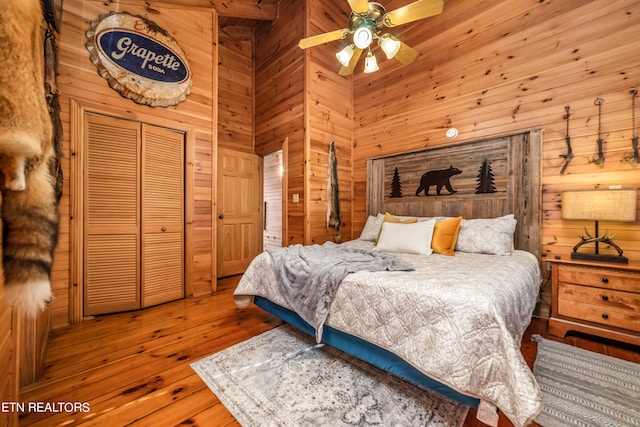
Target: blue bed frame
366	351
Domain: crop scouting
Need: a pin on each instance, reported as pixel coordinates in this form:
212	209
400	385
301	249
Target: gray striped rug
582	388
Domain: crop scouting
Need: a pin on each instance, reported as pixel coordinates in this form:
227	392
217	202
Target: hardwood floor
133	368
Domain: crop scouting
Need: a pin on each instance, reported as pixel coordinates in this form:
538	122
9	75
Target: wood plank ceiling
266	10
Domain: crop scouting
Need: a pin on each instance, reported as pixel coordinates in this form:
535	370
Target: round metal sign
140	60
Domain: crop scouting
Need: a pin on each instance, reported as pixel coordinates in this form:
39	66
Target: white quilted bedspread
457	319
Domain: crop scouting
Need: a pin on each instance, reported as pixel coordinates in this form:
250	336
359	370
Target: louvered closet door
111	215
162	215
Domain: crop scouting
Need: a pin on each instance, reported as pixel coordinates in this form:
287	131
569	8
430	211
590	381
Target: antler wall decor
633	158
567	138
600	159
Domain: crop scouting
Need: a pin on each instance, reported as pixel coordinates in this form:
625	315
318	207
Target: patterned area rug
282	378
582	388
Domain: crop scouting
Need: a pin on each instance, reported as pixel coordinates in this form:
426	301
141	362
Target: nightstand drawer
605	298
604	315
599	277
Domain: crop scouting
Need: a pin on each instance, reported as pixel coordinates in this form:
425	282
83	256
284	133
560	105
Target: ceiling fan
366	23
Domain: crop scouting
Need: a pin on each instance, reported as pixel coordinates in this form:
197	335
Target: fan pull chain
567	138
633	158
600	159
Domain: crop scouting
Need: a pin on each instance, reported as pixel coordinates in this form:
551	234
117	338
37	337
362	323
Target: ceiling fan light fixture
345	55
370	63
362	37
367	22
390	45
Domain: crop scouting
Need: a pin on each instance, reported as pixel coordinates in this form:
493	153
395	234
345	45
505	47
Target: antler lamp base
605	238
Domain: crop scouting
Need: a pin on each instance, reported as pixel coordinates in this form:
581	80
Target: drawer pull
605	297
605	280
605	316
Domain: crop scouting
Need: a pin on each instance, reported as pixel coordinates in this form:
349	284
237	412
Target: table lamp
599	205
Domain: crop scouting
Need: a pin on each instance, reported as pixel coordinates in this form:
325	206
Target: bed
455	323
457	319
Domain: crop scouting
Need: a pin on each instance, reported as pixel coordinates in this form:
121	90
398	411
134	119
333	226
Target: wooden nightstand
596	298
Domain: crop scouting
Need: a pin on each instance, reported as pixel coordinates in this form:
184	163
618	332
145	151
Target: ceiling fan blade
406	54
359	6
347	71
412	12
323	38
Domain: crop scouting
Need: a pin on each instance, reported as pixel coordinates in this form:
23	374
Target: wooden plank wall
9	372
329	112
500	66
79	82
487	68
279	106
300	96
235	87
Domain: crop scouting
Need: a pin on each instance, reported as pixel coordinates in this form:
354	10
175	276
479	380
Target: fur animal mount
27	156
438	178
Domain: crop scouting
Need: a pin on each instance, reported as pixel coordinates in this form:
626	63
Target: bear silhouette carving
439	178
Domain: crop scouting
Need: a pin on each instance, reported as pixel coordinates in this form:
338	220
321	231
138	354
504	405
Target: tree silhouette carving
396	185
486	182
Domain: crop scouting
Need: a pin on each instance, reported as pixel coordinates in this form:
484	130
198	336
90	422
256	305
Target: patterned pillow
492	236
372	228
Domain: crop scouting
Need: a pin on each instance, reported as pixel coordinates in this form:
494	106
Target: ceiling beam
266	10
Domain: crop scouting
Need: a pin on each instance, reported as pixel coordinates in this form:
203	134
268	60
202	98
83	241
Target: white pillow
493	236
372	228
407	238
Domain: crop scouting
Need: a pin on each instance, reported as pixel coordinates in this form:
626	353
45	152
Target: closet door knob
221	216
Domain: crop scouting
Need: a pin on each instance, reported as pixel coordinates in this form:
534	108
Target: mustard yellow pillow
390	218
445	235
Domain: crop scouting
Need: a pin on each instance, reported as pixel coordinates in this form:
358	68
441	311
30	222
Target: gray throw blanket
308	276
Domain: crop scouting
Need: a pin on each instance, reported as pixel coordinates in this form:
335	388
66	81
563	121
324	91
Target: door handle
221	216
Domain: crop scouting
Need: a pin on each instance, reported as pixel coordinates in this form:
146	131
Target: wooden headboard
479	179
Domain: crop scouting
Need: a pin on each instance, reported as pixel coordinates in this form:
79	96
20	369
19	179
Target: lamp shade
600	205
345	55
370	63
390	45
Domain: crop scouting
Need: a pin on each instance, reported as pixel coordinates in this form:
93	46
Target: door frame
76	201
